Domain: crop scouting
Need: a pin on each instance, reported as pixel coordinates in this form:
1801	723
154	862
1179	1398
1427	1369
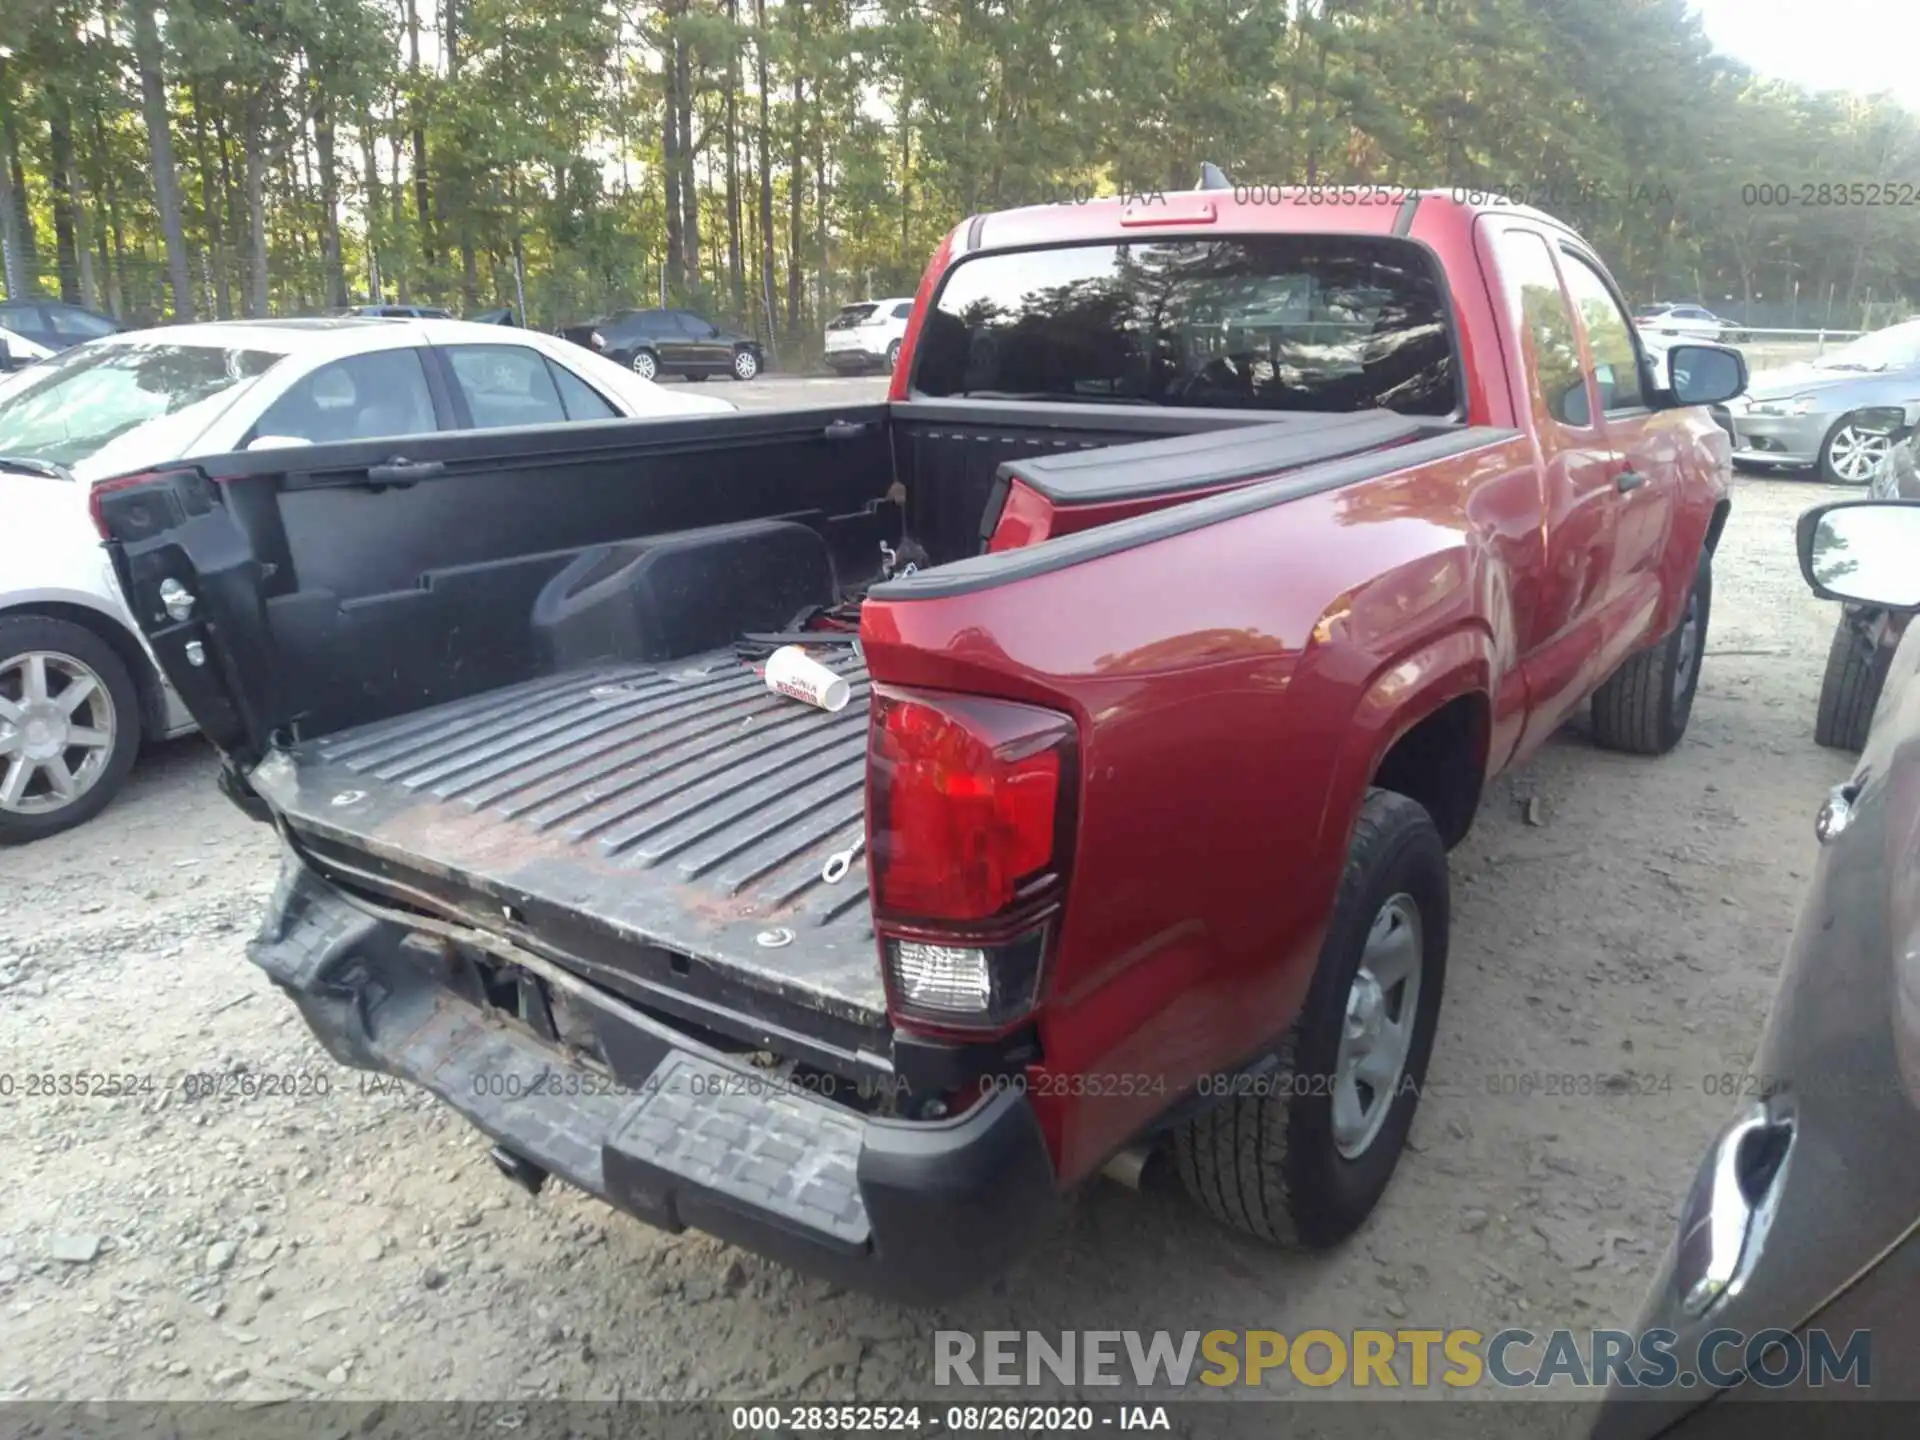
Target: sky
1865	45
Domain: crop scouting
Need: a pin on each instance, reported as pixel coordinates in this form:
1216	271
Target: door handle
845	429
401	471
1630	480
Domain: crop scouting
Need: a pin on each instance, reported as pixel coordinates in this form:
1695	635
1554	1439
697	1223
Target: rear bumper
672	1132
847	361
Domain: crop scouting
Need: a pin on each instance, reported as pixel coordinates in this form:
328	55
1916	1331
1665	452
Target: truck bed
682	811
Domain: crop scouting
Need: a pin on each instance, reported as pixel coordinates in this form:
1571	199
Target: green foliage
567	168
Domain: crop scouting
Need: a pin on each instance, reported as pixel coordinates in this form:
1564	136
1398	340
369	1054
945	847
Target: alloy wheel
1376	1034
57	729
1686	655
1855	454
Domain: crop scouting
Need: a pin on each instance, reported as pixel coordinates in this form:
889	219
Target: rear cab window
1269	322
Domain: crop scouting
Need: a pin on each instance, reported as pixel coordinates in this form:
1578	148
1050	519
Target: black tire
1856	670
893	356
746	364
1268	1163
1843	430
34	634
1644	707
645	364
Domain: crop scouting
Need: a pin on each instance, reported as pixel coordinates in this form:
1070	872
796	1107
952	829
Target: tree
166	178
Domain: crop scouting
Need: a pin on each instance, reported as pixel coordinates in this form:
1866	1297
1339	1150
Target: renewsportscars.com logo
1410	1359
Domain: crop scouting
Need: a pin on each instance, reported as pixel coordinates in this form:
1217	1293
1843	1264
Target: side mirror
1865	552
277	442
1705	374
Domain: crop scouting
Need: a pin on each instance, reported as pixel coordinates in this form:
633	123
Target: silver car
1835	413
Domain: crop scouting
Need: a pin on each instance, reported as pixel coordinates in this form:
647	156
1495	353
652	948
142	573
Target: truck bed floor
682	806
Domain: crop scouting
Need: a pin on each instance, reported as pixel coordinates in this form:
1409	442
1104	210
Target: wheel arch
1424	729
112	631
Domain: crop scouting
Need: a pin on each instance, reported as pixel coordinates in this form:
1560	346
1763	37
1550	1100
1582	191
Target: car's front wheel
1645	705
1850	455
746	364
646	364
893	356
1303	1152
69	726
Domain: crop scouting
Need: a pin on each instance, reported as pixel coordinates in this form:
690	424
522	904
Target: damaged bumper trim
671	1131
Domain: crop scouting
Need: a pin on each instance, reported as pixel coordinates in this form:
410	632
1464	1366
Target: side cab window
1546	321
1618	377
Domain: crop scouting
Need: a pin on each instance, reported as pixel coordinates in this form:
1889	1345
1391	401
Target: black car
669	342
1795	1267
53	323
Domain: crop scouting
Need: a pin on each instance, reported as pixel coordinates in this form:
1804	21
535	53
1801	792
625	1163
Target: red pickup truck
1209	554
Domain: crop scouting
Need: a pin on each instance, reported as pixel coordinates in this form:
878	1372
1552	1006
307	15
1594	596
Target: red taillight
965	805
102	488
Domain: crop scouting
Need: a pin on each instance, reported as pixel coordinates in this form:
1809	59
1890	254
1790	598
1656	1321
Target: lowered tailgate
664	828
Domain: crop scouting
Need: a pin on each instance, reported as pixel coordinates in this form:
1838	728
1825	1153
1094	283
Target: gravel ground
357	1244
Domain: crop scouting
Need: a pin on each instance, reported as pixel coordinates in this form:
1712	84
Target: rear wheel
646	364
1856	671
1645	705
893	356
1850	455
69	726
1305	1158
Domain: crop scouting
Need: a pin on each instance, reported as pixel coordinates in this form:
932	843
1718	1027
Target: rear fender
1403	693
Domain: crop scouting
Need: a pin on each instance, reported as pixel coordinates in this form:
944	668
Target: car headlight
1797	405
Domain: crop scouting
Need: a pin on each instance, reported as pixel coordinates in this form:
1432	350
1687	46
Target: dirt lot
358	1244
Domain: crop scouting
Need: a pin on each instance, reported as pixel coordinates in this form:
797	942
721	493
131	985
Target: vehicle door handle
1630	480
401	471
845	429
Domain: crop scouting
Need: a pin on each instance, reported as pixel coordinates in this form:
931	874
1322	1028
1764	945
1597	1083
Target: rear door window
1264	322
505	385
73	326
583	402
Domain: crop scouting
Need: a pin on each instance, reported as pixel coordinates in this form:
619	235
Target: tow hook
517	1168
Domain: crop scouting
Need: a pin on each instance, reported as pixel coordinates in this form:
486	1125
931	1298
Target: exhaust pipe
517	1168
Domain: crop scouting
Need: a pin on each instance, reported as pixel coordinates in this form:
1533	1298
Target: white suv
867	336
